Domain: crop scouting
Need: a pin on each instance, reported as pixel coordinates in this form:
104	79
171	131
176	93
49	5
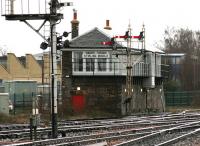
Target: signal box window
90	64
78	61
102	64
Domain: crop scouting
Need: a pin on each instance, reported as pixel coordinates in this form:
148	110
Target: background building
29	67
174	60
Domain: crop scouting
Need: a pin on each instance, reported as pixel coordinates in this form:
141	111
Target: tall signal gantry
53	16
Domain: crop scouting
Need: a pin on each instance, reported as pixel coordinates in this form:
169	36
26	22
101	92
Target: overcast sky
157	15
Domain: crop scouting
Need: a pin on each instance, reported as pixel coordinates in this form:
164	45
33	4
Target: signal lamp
65	34
43	45
126	35
141	36
59	46
112	40
66	44
59	39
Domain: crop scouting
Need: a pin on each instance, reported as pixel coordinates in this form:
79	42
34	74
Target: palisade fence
182	98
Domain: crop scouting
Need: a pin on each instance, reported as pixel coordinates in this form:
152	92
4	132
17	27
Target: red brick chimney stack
107	25
75	25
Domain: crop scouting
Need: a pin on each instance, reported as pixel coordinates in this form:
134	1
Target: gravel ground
190	141
159	139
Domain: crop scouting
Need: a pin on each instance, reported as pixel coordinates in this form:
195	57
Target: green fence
183	98
22	103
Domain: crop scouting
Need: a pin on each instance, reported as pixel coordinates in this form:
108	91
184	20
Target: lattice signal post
128	91
52	17
129	83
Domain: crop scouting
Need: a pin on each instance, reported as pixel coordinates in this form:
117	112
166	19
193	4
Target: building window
94	61
111	62
101	64
114	64
90	64
78	61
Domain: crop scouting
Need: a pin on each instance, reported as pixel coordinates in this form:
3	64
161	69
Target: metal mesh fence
182	98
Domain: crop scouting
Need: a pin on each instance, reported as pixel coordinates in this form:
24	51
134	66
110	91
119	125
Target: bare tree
3	51
188	42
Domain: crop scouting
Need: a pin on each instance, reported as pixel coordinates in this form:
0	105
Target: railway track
71	130
163	136
132	130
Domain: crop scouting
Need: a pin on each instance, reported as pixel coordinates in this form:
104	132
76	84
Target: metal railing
10	7
140	69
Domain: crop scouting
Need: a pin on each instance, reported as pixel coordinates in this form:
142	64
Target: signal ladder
46	30
7	8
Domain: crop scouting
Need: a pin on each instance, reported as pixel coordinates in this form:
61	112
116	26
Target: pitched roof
91	39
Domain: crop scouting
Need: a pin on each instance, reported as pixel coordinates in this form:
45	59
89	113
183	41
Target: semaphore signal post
127	94
53	17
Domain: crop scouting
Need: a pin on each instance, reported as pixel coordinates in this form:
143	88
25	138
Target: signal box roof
91	39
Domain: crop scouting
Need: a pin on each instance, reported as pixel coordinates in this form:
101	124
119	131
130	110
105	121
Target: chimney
75	25
107	25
